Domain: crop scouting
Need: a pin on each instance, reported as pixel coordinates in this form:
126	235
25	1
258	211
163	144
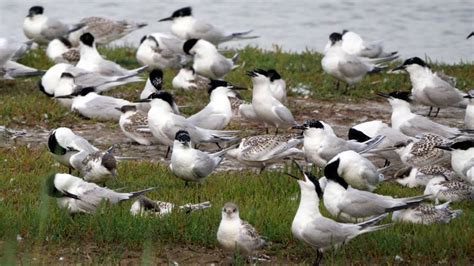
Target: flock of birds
420	150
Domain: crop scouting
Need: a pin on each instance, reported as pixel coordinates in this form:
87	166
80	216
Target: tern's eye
224	210
234	210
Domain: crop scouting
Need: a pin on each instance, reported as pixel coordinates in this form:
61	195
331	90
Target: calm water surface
435	28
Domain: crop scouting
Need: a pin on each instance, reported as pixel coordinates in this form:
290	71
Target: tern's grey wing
352	67
249	237
54	29
324	233
221	67
171	44
358	203
418	125
206	31
263	148
443	94
284	114
94	194
79	143
207	118
178	123
77	160
109	68
203	165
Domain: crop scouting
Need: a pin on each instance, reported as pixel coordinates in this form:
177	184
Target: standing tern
77	195
426	214
429	89
218	112
41	29
237	235
319	232
208	62
350	204
469	116
267	108
185	26
91	60
462	158
162	51
190	164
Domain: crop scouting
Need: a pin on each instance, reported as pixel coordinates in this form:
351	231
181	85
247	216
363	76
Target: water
436	28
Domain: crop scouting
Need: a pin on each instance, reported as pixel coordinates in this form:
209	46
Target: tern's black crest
65	42
330	171
85	91
156	78
35	10
315	181
256	72
67	75
357	135
463	145
163	95
54	146
41	88
189	44
313	124
126	108
87	39
213	84
344	32
402	95
183	12
415	61
142	39
273	75
182	136
335	37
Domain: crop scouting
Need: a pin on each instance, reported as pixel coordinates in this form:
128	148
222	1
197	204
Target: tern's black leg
261	170
70	170
387	163
431	109
266	130
437	111
319	257
167	152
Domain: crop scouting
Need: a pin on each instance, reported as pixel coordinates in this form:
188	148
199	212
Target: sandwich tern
321	144
144	206
187	79
353	44
469	116
77	195
426	214
60	50
190	164
319	232
237	235
442	189
277	85
185	26
162	51
218	112
208	62
268	109
153	84
429	89
420	176
12	69
134	124
350	204
462	158
97	167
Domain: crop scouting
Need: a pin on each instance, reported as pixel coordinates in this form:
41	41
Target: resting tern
218	112
267	108
353	44
185	26
104	30
469	116
321	144
237	235
66	86
187	79
92	61
145	206
426	214
319	232
64	143
12	69
134	124
60	50
84	78
161	51
429	89
208	62
420	176
77	195
96	167
462	158
191	164
41	29
412	124
349	68
350	204
442	189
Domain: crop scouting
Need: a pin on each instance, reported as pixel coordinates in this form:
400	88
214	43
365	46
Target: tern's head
314	127
35	10
309	182
87	39
217	87
183	137
412	64
398	98
180	13
59	44
470	95
84	91
458	145
189	45
127	108
56	186
162	96
156	79
109	162
273	75
335	38
230	211
259	76
331	172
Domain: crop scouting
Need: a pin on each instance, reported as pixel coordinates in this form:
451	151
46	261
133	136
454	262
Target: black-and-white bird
187	79
217	113
352	43
268	109
153	84
60	50
161	51
185	26
462	158
237	235
134	124
319	232
426	214
350	204
97	167
277	85
347	67
79	196
321	144
193	165
429	89
92	61
208	62
41	29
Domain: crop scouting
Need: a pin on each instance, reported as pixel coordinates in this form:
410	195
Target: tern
97	167
153	84
187	79
426	214
420	176
353	44
60	50
469	116
134	124
145	206
161	51
442	189
462	158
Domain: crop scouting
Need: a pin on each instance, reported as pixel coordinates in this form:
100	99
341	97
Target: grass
268	201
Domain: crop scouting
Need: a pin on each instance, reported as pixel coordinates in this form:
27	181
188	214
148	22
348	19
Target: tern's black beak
468	96
402	67
444	147
144	101
299	127
239	88
165	19
385	95
70	96
470	35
